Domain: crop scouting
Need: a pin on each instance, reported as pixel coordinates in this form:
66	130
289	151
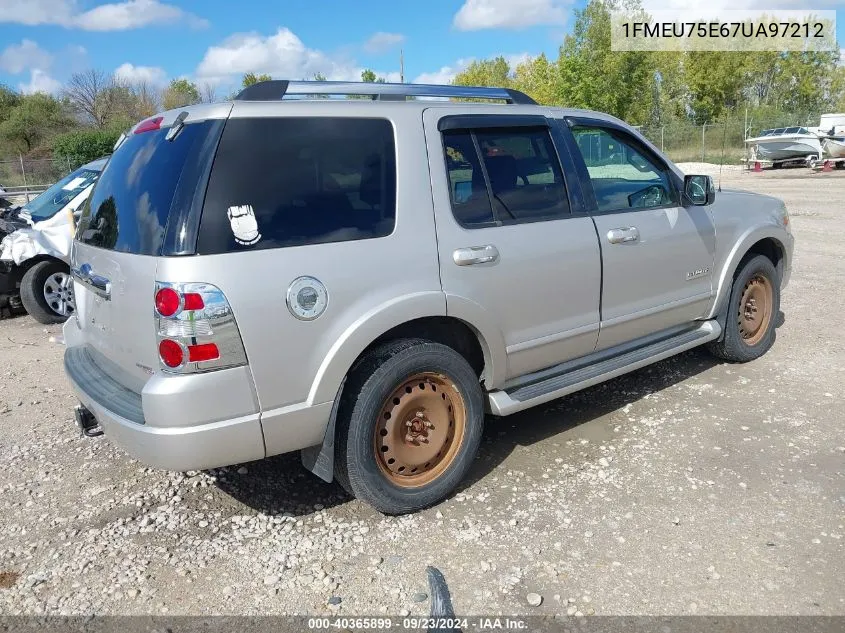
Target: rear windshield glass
292	181
60	195
129	208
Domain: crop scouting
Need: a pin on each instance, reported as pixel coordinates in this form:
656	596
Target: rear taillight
171	353
196	329
168	302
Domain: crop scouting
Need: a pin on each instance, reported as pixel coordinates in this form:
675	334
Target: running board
572	380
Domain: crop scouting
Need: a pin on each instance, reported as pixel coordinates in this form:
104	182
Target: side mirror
699	190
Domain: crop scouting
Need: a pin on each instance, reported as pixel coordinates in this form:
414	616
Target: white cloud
281	55
134	14
381	42
40	81
24	56
475	15
152	75
117	16
33	12
445	75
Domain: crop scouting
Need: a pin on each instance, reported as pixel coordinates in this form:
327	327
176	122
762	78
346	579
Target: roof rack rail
276	89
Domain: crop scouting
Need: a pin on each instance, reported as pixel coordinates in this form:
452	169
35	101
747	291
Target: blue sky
215	41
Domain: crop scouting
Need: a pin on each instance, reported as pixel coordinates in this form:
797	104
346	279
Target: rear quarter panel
372	285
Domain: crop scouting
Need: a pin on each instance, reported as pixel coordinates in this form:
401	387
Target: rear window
292	181
129	208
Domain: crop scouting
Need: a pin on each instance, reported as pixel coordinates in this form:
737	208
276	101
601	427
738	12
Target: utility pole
401	65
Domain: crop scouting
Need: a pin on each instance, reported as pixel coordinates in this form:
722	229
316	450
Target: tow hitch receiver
87	423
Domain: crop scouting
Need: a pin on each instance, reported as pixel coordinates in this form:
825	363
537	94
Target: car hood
20	239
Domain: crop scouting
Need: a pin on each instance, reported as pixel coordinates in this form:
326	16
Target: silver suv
362	279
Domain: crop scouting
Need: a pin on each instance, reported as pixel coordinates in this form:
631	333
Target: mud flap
319	459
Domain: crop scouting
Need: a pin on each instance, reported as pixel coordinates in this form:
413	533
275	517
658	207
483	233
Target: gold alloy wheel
420	429
755	309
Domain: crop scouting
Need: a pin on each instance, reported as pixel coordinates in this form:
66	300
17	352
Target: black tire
32	291
371	382
735	347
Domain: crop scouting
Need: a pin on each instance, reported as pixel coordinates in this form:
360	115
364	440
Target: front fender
750	237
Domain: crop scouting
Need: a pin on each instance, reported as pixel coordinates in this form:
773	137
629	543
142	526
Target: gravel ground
690	487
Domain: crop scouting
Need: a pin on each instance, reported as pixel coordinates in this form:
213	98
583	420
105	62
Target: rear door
657	254
512	251
149	182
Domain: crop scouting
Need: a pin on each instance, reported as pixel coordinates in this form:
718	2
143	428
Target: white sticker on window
74	184
244	225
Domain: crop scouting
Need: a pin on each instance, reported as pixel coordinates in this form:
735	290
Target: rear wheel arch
449	331
455	333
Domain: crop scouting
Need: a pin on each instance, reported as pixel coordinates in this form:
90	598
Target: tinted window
524	174
521	179
292	181
130	205
467	187
623	176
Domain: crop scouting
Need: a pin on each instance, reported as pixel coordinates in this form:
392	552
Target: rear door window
504	176
293	181
130	206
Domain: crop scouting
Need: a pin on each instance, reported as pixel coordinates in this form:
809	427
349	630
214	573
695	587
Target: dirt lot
690	487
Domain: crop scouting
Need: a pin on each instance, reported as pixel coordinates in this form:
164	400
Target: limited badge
307	298
244	224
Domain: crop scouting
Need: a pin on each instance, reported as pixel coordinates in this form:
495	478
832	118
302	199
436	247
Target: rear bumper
158	439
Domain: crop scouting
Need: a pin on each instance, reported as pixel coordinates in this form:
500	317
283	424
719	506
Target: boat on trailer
786	144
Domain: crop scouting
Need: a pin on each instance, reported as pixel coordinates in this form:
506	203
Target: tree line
85	119
645	88
660	88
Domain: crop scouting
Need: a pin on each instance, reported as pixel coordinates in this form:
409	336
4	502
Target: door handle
475	255
99	284
623	235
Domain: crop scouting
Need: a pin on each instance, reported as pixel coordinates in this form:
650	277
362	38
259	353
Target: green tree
486	72
537	78
180	92
369	76
807	81
82	146
33	120
716	81
8	100
251	78
592	76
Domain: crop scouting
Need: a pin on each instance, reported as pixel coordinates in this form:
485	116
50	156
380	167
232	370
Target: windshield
59	195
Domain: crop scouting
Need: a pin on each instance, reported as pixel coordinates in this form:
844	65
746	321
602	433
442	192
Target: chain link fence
25	178
721	140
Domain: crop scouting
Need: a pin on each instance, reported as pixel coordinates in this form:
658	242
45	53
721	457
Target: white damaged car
35	247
